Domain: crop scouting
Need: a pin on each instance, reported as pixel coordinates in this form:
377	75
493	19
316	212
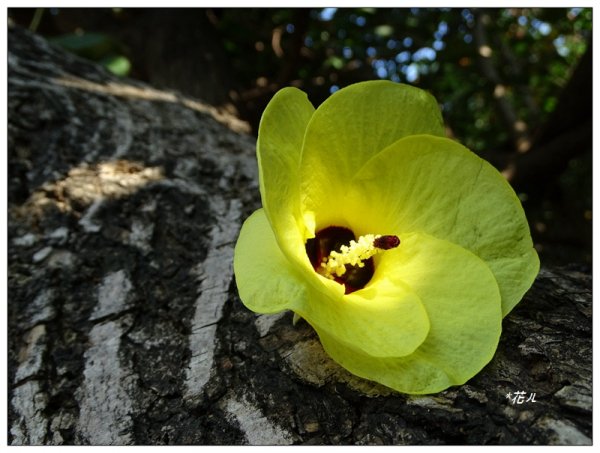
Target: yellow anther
355	254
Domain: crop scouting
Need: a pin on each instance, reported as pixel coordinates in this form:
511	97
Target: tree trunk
124	322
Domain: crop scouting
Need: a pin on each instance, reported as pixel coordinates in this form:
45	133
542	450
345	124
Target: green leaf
335	62
384	30
89	45
117	64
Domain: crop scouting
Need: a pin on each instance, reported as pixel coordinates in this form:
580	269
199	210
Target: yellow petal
435	185
349	128
462	301
267	281
279	147
386	319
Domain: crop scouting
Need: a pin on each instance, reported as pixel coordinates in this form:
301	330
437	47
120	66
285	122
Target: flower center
336	254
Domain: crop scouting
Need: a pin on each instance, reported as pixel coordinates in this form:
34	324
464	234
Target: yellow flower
400	247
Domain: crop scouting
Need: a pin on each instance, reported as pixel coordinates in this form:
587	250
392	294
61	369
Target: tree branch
548	160
518	128
125	326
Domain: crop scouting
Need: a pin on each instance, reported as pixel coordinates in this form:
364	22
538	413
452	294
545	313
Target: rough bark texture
124	322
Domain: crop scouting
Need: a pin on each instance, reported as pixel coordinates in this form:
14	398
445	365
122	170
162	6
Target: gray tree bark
124	322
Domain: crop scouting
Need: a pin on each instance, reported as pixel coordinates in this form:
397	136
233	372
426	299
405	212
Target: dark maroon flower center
332	238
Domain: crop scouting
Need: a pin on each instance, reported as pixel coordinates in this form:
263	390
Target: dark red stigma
386	242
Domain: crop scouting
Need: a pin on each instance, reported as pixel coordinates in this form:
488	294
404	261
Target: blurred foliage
534	50
321	50
97	47
497	73
532	53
